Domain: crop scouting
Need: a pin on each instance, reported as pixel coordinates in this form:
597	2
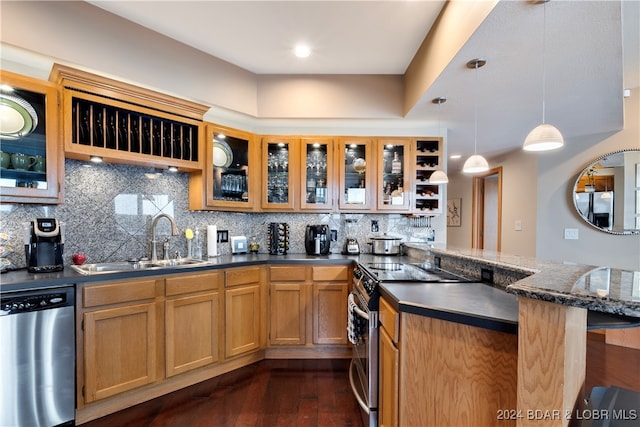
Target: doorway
487	210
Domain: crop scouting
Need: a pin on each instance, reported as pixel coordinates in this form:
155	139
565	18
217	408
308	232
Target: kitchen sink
121	266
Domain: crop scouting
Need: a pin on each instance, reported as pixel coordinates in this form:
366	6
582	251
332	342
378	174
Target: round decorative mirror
607	193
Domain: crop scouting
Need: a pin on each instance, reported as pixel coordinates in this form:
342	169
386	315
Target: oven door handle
361	402
358	310
361	313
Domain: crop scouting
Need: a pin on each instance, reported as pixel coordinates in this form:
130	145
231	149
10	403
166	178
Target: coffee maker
43	245
317	240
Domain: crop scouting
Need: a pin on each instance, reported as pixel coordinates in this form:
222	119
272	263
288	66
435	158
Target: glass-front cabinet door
317	174
356	174
393	188
230	172
32	162
280	166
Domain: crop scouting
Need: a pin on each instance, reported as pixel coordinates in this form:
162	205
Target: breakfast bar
555	301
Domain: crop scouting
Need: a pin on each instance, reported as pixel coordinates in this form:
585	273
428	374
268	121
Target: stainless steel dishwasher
37	357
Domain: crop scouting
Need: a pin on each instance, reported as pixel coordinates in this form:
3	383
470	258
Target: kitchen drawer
119	292
183	284
339	273
242	276
289	273
389	320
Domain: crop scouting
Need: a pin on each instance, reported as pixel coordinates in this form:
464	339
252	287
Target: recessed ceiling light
455	156
302	51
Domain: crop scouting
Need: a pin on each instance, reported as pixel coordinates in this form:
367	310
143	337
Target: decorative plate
222	154
359	165
17	117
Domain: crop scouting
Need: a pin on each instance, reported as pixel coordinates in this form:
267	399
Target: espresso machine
43	245
317	240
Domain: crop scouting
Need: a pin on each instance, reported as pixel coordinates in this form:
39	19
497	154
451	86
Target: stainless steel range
363	323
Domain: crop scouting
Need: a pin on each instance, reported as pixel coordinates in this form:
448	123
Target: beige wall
556	177
519	187
81	35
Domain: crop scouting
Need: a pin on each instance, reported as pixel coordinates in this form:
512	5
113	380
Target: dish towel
352	326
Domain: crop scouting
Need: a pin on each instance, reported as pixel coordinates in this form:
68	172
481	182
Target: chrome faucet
154	223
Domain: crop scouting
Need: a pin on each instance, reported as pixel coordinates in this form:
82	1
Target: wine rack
119	129
427	198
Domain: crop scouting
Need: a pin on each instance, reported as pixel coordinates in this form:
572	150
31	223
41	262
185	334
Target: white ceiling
583	56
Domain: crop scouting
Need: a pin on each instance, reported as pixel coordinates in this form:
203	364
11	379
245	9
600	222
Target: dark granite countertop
19	280
475	304
598	289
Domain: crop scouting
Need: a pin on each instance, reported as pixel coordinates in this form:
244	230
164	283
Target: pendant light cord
544	67
475	128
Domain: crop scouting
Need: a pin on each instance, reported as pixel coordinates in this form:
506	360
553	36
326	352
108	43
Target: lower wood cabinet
120	350
141	338
308	305
287	312
244	310
140	332
388	358
193	322
330	313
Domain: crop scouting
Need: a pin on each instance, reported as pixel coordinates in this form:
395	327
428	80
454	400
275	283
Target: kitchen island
554	300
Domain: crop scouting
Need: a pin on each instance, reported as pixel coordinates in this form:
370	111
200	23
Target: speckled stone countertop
599	289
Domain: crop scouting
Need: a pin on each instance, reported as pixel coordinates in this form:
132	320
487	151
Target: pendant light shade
438	177
476	163
543	137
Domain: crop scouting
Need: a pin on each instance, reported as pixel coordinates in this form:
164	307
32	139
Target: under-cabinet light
95	159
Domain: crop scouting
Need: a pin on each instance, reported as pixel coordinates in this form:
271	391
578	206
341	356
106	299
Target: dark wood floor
268	393
312	393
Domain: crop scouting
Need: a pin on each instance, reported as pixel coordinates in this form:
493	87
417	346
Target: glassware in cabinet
279	163
230	177
317	174
32	163
356	174
393	178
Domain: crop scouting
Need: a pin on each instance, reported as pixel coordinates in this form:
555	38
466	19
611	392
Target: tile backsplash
108	209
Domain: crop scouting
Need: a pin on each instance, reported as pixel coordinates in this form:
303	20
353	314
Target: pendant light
476	163
544	137
438	177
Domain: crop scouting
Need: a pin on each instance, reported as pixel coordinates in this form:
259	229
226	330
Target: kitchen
88	209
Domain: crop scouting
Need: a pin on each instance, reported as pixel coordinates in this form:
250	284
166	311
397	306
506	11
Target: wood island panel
551	370
455	375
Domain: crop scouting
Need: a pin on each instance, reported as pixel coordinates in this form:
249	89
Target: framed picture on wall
453	212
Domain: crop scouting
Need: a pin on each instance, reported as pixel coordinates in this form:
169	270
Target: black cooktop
413	272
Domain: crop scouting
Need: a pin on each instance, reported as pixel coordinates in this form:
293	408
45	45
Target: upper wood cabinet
230	179
123	123
393	185
280	173
32	169
317	174
356	166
